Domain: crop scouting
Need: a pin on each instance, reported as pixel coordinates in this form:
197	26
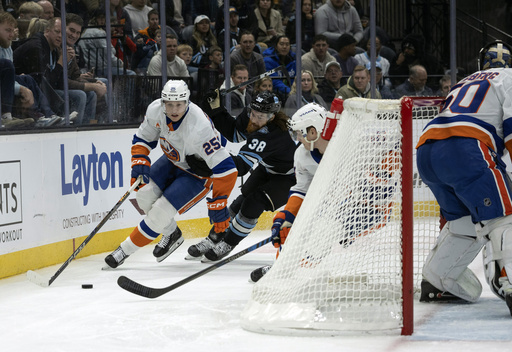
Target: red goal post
353	259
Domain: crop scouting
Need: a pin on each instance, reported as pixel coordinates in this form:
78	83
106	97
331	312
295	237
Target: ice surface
203	315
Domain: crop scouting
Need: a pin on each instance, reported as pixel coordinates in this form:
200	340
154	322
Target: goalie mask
494	55
310	115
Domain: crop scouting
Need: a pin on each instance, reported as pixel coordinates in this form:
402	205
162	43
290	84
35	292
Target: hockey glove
213	98
281	227
140	166
198	166
218	213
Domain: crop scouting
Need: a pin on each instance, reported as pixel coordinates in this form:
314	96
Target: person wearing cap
138	12
358	85
329	86
202	39
346	47
383	89
235	32
337	17
318	57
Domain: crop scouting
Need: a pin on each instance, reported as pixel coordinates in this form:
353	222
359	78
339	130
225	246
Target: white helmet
175	90
309	115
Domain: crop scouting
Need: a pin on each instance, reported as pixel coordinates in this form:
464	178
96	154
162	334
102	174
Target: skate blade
197	259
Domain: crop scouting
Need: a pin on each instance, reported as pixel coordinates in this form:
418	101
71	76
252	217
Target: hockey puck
87	286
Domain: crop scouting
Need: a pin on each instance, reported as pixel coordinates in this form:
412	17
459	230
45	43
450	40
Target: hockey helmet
494	55
311	114
266	102
175	90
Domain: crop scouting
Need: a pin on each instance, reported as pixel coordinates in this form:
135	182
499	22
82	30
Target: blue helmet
494	55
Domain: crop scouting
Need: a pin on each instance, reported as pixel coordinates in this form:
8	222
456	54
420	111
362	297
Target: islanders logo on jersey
169	150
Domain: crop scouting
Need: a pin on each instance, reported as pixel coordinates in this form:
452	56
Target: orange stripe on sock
139	239
503	273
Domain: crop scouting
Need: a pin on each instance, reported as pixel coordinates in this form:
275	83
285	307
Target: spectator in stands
445	84
329	86
309	94
25	87
235	32
176	67
346	47
121	15
247	20
307	27
145	53
270	22
7	88
364	58
379	32
185	52
241	97
262	85
358	85
36	25
202	39
216	62
415	85
146	42
413	53
383	89
277	55
93	45
193	8
318	57
86	91
47	9
246	55
338	17
29	10
138	12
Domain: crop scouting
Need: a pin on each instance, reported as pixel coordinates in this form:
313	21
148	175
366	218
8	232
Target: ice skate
196	251
429	293
168	244
116	258
219	251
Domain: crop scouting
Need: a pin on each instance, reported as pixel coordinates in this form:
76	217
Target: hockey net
353	259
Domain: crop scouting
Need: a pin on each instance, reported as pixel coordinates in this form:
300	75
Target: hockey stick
150	292
281	68
41	281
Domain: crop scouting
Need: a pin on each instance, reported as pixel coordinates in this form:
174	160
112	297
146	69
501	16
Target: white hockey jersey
480	107
193	134
306	164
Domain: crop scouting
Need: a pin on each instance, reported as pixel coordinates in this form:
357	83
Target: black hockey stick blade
150	292
281	68
37	279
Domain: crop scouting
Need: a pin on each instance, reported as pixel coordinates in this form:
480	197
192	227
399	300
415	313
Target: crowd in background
334	51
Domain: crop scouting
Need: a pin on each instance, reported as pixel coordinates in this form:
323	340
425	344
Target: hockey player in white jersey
306	125
169	186
459	157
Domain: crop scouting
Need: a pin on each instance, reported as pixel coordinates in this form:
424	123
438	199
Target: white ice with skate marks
204	315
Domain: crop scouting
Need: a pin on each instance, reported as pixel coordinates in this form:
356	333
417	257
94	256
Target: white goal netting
341	266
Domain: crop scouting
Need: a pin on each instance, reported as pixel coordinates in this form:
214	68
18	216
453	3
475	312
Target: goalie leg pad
148	195
497	254
446	267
